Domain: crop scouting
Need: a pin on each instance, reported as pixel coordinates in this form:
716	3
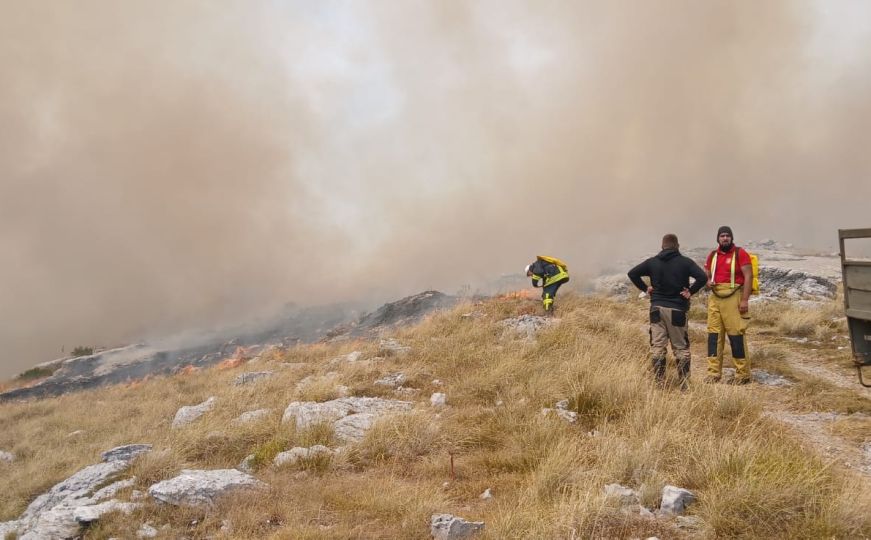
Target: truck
857	300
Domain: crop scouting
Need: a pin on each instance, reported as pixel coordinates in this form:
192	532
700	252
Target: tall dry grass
752	477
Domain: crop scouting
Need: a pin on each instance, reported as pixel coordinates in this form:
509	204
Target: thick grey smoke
164	165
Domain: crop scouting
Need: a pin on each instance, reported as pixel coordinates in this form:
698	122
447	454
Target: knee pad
712	344
737	344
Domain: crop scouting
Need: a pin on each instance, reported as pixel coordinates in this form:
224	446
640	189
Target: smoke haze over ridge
162	166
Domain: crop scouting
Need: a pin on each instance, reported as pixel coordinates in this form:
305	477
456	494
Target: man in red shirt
730	276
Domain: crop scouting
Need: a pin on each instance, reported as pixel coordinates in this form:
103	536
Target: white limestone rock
307	413
8	527
247	464
525	326
351	416
6	457
92	513
200	487
350	358
296	454
189	413
146	531
125	453
625	495
392	347
353	427
393	380
75	490
252	416
675	500
59	512
438	399
252	376
569	416
448	527
112	489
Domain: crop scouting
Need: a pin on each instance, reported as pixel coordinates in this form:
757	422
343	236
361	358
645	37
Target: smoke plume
189	163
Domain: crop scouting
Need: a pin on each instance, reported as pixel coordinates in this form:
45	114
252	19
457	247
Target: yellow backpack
554	260
754	264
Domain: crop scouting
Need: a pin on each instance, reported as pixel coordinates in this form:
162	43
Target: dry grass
752	478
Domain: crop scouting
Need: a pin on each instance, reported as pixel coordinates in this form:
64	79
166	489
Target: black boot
659	371
683	370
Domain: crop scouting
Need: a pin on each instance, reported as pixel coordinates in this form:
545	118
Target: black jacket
669	274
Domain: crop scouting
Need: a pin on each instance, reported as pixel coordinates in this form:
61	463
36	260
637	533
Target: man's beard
726	247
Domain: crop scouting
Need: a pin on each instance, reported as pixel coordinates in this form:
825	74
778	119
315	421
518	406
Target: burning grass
546	475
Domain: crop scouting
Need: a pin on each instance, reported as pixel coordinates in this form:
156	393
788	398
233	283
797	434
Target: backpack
553	260
754	265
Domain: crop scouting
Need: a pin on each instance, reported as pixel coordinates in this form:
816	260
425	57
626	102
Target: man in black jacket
669	292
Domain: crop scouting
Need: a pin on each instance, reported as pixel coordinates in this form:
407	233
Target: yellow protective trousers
725	318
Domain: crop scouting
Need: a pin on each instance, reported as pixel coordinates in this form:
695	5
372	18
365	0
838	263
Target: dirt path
828	371
813	429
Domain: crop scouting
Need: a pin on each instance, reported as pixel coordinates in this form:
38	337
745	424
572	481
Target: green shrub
36	373
82	351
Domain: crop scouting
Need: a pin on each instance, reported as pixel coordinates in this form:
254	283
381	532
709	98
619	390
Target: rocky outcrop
125	453
195	350
448	527
189	413
6	457
404	312
252	376
525	326
62	510
795	284
308	413
675	500
391	347
252	416
393	380
294	455
351	416
201	488
625	495
353	427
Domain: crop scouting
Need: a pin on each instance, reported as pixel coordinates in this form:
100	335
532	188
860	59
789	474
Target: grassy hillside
754	476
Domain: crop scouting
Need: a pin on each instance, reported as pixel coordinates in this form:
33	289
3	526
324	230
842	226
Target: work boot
683	371
659	371
743	380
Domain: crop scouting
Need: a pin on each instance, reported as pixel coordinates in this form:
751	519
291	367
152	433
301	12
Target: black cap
725	229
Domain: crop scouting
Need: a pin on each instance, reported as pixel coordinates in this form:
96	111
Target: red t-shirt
723	272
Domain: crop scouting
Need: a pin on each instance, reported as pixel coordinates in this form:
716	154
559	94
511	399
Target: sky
180	164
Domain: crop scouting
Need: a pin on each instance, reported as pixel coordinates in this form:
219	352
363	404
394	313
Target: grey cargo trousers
669	325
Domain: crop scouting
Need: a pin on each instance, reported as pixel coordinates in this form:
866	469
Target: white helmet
526	270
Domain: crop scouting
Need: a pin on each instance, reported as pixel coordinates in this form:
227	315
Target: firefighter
550	274
730	275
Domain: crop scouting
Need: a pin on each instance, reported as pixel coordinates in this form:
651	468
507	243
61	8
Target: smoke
171	165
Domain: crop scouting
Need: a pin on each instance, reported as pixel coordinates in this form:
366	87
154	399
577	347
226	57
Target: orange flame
136	383
188	370
521	294
230	363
